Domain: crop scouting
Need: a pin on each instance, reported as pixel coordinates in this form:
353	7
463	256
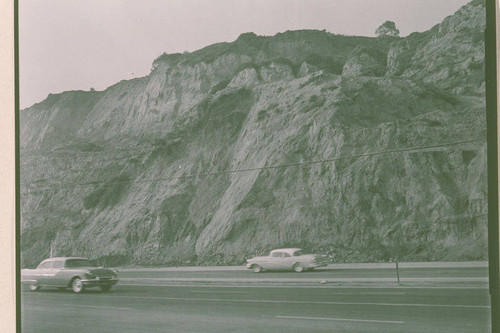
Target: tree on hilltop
387	29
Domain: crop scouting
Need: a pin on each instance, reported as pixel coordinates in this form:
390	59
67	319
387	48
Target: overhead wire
91	159
196	175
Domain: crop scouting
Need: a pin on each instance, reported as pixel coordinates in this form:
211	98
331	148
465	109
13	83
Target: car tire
77	285
256	268
298	267
34	287
105	288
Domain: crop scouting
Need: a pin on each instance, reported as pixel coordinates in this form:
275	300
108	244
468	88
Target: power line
449	144
350	130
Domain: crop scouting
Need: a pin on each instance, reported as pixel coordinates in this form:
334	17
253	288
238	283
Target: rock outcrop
365	62
362	148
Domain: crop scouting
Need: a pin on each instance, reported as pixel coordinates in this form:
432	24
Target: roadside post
397	270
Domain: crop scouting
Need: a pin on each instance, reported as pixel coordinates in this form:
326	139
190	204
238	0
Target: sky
83	44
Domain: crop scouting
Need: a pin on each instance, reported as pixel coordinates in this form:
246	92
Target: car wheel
105	288
256	268
298	267
34	287
77	285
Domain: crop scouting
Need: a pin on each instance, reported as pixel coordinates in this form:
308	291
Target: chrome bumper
99	281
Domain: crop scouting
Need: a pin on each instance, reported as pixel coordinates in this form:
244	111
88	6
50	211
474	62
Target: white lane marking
248	292
294	287
300	302
314	280
345	319
330	267
219	291
97	306
368	293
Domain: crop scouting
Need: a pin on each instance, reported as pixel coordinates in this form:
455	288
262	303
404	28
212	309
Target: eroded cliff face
361	148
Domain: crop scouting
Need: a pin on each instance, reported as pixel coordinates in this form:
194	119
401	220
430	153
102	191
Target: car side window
276	254
45	265
58	264
286	255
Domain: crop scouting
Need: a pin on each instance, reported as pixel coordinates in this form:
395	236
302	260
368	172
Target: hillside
362	148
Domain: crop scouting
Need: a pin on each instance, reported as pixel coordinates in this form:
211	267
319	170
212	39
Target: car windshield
75	263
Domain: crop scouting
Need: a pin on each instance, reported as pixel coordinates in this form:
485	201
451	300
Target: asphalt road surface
139	306
435	273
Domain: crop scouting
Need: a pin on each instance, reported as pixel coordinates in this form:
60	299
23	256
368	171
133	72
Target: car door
46	273
60	278
273	261
288	261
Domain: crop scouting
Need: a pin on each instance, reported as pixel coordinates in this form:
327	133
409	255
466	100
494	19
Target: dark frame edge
492	154
16	160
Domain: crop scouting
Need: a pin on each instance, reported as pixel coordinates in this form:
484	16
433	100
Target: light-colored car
69	272
287	259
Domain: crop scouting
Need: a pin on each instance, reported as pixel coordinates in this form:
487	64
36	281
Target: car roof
287	250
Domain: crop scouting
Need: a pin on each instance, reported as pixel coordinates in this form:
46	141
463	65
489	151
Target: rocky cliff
362	148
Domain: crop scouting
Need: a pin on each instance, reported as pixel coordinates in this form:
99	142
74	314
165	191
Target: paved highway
320	273
138	306
440	274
